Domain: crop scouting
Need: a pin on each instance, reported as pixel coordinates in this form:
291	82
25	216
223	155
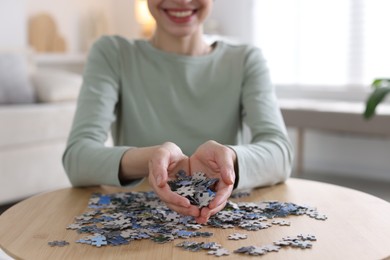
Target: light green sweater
146	97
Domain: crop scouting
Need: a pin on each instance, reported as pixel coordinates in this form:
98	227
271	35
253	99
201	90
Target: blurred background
323	56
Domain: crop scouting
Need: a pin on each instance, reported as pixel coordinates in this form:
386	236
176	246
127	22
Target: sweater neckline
148	47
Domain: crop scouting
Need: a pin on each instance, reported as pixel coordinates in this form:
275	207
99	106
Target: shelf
59	58
73	62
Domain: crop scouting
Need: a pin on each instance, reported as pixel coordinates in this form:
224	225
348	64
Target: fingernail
232	176
186	204
158	180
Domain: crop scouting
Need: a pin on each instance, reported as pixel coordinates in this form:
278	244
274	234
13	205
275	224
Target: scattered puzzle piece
60	243
281	222
237	236
257	250
99	241
272	248
301	241
240	194
219	252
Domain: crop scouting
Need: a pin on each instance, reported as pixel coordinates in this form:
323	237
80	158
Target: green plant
381	89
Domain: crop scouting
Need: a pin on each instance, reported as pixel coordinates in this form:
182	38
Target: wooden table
358	227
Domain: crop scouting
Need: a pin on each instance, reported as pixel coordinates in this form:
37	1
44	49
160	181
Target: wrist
235	165
134	163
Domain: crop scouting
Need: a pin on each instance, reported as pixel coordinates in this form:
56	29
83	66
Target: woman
175	103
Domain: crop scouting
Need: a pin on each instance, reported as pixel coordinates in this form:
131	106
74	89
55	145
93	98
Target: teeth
180	14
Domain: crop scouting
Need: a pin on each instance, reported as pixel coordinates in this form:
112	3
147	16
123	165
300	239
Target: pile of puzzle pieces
120	218
300	241
197	188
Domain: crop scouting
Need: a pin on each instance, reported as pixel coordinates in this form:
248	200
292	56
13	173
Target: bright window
324	42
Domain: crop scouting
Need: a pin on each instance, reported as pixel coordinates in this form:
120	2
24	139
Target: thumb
227	175
227	169
226	162
159	174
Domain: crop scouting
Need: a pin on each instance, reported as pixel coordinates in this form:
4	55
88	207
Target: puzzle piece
301	244
60	243
211	245
191	246
281	222
240	194
254	226
161	239
199	176
186	191
84	241
301	241
184	233
219	252
99	241
193	226
204	198
272	248
257	250
307	237
117	241
74	226
237	236
244	250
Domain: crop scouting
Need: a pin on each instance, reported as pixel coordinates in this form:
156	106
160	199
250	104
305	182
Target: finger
206	213
186	211
222	195
209	212
201	220
217	204
158	179
158	170
227	176
164	158
169	197
204	216
226	164
227	172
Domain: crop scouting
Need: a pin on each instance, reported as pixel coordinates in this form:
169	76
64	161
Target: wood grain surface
358	227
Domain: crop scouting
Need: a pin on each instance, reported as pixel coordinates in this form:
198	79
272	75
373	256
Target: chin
185	32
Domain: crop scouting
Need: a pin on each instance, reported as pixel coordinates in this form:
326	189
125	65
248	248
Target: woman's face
179	18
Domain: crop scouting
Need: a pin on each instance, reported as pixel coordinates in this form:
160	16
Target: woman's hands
211	158
165	162
216	161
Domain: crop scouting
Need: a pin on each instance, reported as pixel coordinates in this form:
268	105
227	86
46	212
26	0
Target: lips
180	15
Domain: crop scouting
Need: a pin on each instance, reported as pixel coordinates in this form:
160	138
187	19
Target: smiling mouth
180	14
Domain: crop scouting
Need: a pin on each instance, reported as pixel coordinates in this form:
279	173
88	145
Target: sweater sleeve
267	160
87	161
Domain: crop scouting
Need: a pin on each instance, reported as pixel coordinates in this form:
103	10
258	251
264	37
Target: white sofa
32	140
33	135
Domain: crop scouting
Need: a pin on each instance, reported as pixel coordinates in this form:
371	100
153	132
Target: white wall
75	22
124	19
234	18
12	12
326	152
